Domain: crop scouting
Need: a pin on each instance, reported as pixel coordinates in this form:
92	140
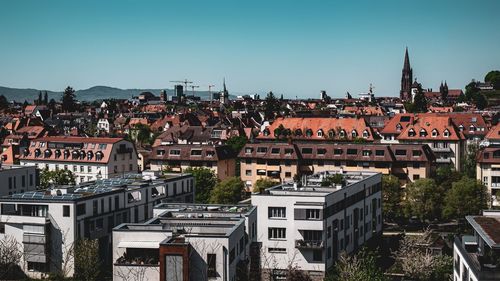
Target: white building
187	242
17	179
476	258
88	158
47	223
307	227
105	124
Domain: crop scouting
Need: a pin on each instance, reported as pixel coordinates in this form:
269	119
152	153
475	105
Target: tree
10	257
494	78
87	259
236	143
418	262
333	180
68	100
480	101
143	134
271	106
227	191
424	199
61	177
419	101
4	103
361	266
205	181
52	105
466	197
46	98
445	176
263	183
39	101
469	161
392	196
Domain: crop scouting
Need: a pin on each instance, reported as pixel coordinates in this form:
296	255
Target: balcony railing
481	269
441	149
309	244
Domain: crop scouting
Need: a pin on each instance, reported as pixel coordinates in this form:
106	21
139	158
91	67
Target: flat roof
488	227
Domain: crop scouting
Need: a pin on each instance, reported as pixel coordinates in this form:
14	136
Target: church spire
406	78
224	84
406	66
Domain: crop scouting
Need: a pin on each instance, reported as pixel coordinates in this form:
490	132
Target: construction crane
192	88
185	82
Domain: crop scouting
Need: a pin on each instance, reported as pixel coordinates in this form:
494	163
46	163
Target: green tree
205	181
45	98
392	196
469	161
61	177
424	199
358	267
39	101
263	183
237	143
466	197
87	260
494	78
333	180
143	134
445	176
227	191
68	100
4	103
480	101
419	101
271	106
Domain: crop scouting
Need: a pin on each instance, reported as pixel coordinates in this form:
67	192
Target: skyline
295	49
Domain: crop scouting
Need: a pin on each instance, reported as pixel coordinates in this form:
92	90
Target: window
195	152
400	152
261	149
312	214
331	133
211	265
411	133
66	211
80	209
321	151
277	250
175	152
276	233
416	177
317	255
248	150
423	133
307	150
2	227
446	133
248	172
354	134
275	150
416	153
352	151
276	212
434	133
366	134
320	133
367	152
37	266
337	151
288	174
94	207
288	151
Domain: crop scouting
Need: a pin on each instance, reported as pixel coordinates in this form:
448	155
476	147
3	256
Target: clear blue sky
292	47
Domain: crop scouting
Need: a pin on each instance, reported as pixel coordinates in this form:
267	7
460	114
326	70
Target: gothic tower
406	78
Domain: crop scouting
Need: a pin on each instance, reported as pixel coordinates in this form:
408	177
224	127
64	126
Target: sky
294	48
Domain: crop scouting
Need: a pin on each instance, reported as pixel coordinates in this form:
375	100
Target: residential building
188	242
284	161
488	164
178	157
47	223
307	226
475	257
88	158
17	179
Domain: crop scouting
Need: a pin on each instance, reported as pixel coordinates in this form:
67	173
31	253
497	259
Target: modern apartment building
88	158
47	223
476	257
178	157
307	225
284	161
17	179
187	242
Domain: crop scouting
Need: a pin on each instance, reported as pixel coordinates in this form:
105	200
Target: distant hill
90	94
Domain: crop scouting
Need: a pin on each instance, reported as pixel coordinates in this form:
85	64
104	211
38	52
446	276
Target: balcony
309	244
481	267
443	160
441	149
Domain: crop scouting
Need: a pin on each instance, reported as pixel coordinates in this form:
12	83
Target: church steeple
406	78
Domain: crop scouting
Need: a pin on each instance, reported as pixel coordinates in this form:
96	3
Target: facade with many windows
17	179
308	226
47	223
87	158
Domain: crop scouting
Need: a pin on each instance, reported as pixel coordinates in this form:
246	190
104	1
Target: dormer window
37	153
98	155
248	150
366	134
320	133
266	132
342	133
446	133
434	133
58	153
309	133
261	149
411	133
331	133
47	153
74	154
423	133
472	128
66	154
354	134
461	127
90	155
175	152
399	127
298	132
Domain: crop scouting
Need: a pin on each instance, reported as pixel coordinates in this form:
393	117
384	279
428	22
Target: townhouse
284	161
17	179
188	242
476	257
88	158
306	225
47	223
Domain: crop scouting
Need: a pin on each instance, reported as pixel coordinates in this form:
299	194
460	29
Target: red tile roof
429	124
494	133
